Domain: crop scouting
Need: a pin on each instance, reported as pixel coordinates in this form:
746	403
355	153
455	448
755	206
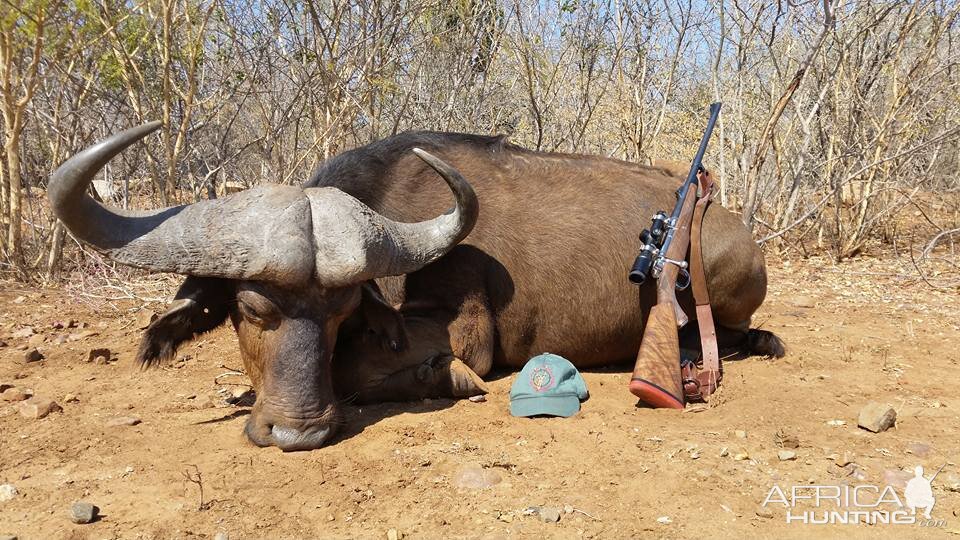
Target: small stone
242	397
724	452
19	299
477	399
664	520
740	434
951	482
8	537
70	398
836	423
32	355
15	394
393	534
765	514
804	302
145	318
37	407
36	340
23	333
4	387
83	512
81	335
99	356
787	455
845	460
549	515
473	476
122	421
567	509
742	456
7	492
221	536
60	339
505	517
877	417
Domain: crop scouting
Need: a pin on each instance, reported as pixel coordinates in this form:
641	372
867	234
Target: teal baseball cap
547	385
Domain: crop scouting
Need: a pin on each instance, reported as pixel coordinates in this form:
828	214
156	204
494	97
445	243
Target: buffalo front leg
442	376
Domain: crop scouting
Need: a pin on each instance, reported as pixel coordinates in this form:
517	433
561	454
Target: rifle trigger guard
686	279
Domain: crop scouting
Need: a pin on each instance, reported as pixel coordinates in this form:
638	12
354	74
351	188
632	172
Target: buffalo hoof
288	439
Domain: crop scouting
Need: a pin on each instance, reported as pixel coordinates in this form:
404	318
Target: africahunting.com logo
859	504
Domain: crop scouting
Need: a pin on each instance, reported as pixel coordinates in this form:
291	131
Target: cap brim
564	406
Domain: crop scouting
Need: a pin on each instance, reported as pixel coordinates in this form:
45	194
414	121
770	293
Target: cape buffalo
544	269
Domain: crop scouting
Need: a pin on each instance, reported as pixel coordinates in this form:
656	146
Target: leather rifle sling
710	374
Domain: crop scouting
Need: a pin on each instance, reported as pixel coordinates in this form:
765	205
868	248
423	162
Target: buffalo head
285	264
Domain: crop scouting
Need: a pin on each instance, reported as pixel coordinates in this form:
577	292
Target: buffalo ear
200	305
382	321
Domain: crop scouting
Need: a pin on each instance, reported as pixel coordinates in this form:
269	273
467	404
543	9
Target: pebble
37	407
724	452
83	512
70	398
740	434
846	459
951	482
4	387
19	299
23	333
36	340
145	318
393	534
15	394
477	399
766	514
122	421
836	423
787	455
804	302
32	355
99	356
242	397
7	492
81	335
473	476
664	519
221	536
567	509
877	417
8	537
549	515
742	456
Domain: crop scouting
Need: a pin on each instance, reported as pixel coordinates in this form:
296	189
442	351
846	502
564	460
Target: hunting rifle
657	378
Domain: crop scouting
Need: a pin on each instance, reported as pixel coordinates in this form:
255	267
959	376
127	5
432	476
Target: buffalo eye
257	310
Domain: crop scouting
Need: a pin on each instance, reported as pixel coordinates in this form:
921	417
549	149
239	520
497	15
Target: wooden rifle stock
656	374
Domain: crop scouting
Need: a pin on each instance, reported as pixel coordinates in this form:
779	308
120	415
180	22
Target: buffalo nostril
290	439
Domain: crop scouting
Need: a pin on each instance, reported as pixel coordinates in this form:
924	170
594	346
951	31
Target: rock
765	514
473	476
19	299
836	423
37	408
122	421
477	399
32	355
740	434
8	537
4	387
742	456
99	356
145	318
70	398
242	397
549	515
567	509
951	482
724	452
846	459
877	417
60	339
36	340
83	512
787	455
804	302
221	536
393	534
23	333
15	394
7	492
81	335
664	519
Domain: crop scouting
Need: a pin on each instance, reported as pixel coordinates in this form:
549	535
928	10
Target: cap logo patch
541	379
